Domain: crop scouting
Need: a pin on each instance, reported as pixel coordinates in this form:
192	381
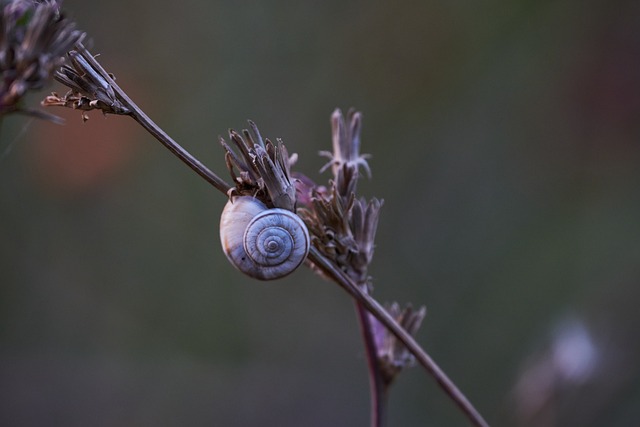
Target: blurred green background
505	138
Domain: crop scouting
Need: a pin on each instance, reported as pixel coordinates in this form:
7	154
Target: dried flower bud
264	168
346	158
363	222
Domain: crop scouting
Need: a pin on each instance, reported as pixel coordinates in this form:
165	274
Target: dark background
505	138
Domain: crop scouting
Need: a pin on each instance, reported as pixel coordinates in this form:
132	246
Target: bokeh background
505	138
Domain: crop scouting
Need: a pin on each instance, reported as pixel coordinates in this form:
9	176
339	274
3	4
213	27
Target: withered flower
346	158
393	356
34	36
344	226
343	229
89	90
262	169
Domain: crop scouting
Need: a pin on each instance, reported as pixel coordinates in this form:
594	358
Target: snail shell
263	243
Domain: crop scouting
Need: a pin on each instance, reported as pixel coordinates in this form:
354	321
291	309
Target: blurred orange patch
76	158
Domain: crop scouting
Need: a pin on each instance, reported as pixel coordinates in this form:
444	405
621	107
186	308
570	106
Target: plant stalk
389	322
139	116
377	386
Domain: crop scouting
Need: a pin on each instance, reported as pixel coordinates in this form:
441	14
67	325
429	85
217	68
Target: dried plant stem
381	314
139	116
377	386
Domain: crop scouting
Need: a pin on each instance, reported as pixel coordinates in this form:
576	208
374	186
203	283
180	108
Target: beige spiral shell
263	243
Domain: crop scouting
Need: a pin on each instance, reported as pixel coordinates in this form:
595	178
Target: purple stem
389	322
378	389
146	122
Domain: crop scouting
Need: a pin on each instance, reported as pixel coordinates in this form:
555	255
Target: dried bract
327	217
261	169
363	222
346	142
89	89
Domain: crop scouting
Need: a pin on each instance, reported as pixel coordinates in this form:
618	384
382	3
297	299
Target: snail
263	243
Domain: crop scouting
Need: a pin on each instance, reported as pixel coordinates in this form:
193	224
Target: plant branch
377	386
381	314
139	116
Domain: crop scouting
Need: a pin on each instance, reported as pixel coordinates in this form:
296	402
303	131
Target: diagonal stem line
381	314
139	116
378	388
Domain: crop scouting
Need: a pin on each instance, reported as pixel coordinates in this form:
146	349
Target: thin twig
378	390
139	116
381	314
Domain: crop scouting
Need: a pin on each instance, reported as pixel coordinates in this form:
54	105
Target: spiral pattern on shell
263	243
